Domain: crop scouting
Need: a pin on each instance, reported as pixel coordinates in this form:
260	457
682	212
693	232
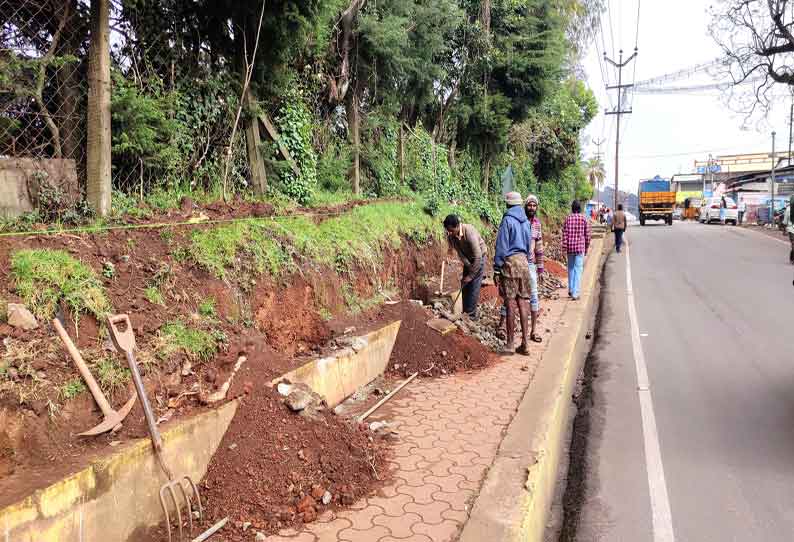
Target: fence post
98	159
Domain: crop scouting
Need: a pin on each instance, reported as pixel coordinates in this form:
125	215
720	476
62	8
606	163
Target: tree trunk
353	121
451	153
99	149
401	154
485	15
253	142
486	174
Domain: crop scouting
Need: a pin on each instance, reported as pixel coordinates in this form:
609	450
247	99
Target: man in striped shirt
575	242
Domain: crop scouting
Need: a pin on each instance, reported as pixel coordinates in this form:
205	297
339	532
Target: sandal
523	350
535	338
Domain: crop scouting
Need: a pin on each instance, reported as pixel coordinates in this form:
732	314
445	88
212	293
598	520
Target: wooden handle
96	391
441	282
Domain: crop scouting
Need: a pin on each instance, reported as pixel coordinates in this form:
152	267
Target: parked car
710	211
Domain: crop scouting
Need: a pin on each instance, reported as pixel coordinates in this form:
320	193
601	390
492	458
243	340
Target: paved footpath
449	432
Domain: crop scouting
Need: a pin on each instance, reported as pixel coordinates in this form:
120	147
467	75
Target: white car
710	211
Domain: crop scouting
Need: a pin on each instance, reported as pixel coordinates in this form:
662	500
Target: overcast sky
667	132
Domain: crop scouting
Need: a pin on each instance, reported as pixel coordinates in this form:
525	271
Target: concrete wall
115	495
335	378
19	184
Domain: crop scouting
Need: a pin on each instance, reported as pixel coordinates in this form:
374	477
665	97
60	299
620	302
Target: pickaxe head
111	422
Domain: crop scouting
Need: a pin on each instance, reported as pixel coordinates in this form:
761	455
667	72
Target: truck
657	201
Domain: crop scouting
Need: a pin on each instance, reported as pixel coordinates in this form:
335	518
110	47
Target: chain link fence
43	60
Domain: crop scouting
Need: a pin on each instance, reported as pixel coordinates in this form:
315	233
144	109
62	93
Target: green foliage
218	249
143	131
108	270
72	388
379	155
111	376
207	307
44	277
333	164
294	124
195	343
154	296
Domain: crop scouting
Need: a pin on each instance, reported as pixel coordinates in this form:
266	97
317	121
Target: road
705	450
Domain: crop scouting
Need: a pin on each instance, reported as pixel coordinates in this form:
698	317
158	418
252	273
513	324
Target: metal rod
212	530
377	405
772	189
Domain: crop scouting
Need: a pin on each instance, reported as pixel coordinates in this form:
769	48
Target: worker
723	207
742	210
575	243
536	263
619	226
511	269
471	249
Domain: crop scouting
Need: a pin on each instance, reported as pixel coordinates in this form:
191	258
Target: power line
637	32
611	32
680	74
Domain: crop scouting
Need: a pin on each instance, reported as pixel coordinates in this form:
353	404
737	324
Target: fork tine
167	515
169	486
196	495
189	507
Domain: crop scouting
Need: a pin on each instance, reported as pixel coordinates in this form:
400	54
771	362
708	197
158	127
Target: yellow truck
657	202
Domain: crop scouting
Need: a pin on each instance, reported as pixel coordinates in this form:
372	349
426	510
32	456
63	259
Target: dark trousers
471	291
618	239
741	217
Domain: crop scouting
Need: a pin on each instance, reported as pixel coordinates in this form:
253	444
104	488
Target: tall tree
757	38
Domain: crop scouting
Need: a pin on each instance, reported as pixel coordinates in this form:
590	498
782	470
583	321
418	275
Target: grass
72	388
207	308
357	236
44	277
111	375
195	343
154	296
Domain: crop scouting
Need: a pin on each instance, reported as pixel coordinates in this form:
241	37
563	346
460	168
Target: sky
666	133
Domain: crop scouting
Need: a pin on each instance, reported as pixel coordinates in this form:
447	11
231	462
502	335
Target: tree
757	38
596	173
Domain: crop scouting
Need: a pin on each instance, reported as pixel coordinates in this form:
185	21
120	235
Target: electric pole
772	189
790	125
618	110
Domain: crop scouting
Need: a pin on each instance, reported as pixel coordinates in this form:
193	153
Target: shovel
113	418
124	340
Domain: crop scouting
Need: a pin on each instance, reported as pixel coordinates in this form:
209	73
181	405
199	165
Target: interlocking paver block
301	537
443	532
392	506
422	494
430	513
370	535
458	500
400	527
328	532
449	483
362	519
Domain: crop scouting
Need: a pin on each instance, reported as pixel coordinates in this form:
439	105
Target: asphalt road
715	319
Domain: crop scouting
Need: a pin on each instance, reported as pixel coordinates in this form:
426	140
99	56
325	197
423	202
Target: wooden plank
273	133
442	325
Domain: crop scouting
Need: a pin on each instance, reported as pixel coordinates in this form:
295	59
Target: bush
295	126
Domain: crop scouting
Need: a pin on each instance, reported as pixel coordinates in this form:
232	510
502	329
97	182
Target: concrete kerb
516	496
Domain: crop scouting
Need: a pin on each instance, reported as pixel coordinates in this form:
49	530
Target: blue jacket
515	235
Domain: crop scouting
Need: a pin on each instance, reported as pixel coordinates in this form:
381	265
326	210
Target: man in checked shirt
575	242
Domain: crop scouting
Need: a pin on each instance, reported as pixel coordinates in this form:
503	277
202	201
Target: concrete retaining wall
115	495
335	378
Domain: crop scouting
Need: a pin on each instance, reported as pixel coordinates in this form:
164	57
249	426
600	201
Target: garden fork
124	340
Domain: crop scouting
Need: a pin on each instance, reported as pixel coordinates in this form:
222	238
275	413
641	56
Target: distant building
687	185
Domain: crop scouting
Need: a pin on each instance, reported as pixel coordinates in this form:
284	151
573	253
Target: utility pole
772	189
618	110
790	124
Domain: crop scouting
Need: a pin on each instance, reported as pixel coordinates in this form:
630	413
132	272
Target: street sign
715	168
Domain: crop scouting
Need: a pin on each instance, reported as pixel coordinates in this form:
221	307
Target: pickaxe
113	418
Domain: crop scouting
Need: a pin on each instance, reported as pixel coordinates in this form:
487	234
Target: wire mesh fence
43	59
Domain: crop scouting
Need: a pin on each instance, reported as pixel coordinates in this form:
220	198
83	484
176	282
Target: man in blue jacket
511	268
